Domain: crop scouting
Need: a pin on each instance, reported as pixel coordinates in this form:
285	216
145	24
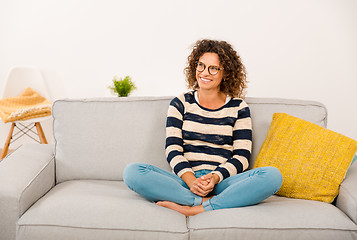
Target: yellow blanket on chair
30	104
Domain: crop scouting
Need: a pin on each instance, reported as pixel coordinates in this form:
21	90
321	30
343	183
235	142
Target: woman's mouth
205	80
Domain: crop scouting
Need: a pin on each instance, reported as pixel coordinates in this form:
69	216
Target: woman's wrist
188	178
215	178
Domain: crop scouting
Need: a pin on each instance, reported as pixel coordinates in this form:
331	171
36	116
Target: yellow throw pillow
313	160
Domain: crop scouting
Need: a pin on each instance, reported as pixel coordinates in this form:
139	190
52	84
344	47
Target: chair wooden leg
40	133
7	142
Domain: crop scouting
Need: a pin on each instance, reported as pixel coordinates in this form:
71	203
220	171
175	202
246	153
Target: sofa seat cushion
95	209
274	218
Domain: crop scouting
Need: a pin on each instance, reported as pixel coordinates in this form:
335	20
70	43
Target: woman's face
207	81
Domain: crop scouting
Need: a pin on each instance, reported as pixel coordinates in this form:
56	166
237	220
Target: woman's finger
199	191
209	187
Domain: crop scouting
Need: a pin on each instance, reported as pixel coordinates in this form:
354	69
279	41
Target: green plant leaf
122	87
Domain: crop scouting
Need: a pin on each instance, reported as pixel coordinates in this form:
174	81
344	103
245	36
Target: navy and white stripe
198	138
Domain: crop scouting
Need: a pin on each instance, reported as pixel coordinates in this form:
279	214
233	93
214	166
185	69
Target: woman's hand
199	186
204	185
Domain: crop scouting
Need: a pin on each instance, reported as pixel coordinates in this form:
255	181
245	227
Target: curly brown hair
234	74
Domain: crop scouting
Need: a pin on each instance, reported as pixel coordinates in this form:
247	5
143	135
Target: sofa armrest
347	197
25	176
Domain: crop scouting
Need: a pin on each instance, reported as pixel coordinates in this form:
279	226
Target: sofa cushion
313	160
96	209
97	138
274	218
262	110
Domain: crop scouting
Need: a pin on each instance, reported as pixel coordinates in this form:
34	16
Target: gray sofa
74	189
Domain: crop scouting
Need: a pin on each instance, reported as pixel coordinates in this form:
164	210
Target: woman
208	141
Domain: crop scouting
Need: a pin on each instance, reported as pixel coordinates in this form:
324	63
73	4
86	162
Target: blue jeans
244	189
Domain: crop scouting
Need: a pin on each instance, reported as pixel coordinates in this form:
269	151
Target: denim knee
132	172
275	177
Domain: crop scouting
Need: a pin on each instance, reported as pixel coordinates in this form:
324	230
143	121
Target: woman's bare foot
185	210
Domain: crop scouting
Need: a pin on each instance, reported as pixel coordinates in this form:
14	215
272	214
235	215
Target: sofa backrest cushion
262	110
96	138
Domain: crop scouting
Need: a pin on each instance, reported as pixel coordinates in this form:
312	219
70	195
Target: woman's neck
210	99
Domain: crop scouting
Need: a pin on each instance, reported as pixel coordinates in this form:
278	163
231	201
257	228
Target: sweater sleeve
242	146
174	140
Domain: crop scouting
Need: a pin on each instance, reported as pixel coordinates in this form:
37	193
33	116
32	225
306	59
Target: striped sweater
199	138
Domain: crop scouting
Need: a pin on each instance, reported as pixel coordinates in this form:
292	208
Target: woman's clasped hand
204	185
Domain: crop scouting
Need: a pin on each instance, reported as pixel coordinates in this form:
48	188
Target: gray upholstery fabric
262	110
92	141
88	209
25	176
274	218
96	209
97	138
347	197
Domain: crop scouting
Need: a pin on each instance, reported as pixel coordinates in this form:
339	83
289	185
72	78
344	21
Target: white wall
302	49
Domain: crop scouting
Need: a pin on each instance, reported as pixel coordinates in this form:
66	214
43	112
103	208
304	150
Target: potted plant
122	87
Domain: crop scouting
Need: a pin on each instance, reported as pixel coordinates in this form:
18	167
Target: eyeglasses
212	70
